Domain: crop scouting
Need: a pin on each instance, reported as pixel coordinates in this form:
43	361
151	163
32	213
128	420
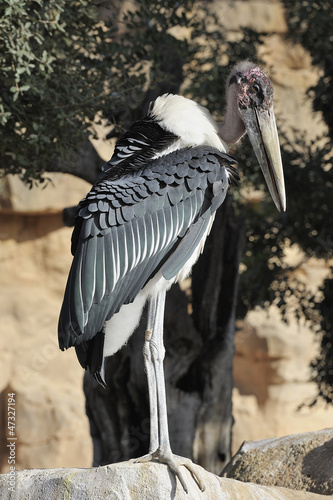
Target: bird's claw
173	462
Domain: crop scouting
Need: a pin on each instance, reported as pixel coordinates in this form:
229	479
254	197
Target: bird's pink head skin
254	86
250	110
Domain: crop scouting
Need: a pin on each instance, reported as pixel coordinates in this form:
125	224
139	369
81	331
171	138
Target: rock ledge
127	480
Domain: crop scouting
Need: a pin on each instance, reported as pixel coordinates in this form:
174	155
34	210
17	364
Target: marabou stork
145	221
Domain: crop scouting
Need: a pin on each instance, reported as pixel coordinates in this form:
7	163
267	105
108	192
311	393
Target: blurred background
74	75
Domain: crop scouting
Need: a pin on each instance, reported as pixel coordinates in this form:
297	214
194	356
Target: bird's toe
193	468
174	462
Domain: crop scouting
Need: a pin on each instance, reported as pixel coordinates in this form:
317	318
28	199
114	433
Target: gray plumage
129	228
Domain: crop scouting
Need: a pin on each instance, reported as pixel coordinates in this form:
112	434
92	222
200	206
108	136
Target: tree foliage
61	69
52	81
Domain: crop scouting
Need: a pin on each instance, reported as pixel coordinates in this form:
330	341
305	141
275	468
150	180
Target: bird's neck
232	129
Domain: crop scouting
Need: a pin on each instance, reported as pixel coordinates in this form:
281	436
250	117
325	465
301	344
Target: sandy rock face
272	387
51	427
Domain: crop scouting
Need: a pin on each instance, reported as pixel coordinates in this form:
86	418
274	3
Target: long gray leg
157	396
158	353
151	379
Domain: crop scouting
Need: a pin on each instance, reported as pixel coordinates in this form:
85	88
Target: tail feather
90	356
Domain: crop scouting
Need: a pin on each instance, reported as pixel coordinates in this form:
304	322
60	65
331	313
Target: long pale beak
262	132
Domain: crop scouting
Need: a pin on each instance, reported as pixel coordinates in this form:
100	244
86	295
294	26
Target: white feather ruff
187	119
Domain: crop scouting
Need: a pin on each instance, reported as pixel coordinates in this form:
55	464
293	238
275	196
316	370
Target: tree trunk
198	366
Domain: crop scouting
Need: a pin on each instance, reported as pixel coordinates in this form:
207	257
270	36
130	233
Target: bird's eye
256	87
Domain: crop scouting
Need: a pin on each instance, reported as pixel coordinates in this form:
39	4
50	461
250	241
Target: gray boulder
300	462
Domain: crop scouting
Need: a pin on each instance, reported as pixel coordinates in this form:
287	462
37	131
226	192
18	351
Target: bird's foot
174	462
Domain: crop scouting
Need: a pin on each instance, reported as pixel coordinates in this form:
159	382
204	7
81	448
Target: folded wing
129	228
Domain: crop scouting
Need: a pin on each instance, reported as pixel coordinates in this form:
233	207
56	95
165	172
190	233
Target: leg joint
148	334
157	352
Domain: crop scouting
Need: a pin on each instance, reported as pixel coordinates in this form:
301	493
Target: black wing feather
139	144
